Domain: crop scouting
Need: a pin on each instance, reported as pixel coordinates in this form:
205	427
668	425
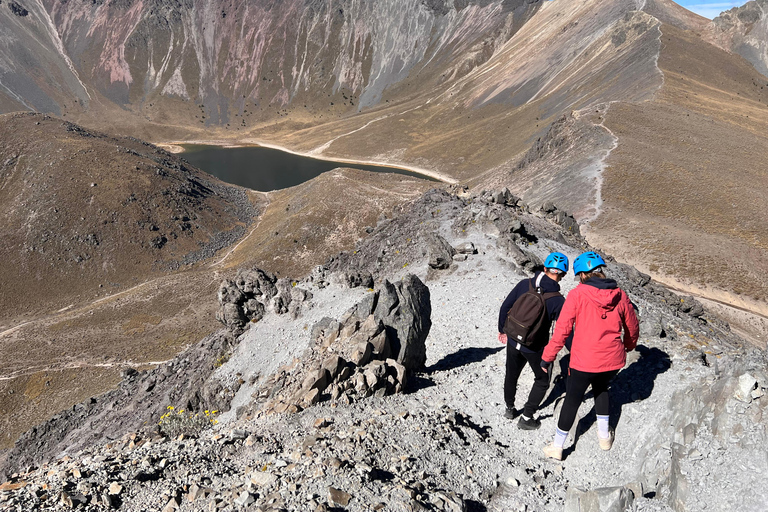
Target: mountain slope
90	215
681	189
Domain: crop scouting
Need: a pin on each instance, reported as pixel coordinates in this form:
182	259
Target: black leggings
576	387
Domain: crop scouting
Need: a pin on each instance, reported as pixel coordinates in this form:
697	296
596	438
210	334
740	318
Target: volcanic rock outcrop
443	443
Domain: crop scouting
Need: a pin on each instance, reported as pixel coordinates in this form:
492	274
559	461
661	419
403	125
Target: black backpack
526	316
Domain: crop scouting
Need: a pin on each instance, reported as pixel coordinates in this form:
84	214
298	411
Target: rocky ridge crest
417	450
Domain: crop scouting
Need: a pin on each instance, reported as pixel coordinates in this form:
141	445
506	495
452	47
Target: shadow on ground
632	384
462	357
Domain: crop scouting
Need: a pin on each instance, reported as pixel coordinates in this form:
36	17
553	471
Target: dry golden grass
685	190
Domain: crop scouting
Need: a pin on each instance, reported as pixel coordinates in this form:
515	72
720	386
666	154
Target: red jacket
600	311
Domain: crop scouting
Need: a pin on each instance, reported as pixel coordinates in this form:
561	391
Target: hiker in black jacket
555	267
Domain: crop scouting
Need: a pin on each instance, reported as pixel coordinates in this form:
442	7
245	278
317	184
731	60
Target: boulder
605	499
334	364
747	384
370	378
522	258
230	293
548	207
368	330
365	307
257	283
364	279
300	294
440	251
567	221
323	327
381	346
318	379
505	197
362	354
406	310
232	316
254	310
651	325
279	305
466	248
397	371
310	397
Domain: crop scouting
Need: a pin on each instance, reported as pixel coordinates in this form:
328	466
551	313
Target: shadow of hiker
461	357
632	384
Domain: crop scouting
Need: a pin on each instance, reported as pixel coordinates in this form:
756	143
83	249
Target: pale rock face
176	86
744	30
260	51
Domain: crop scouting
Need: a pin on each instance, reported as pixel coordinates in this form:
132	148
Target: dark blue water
266	169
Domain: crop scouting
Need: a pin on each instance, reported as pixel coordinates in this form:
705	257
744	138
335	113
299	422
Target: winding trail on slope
76	366
268	198
71	313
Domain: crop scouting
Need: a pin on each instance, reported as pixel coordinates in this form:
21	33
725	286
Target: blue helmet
557	260
587	262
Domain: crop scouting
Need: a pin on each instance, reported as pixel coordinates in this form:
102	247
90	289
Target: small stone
238	434
747	384
115	489
338	497
245	499
8	486
171	506
322	423
65	500
262	478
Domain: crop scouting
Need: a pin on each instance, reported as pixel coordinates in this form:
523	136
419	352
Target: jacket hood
547	285
603	293
603	284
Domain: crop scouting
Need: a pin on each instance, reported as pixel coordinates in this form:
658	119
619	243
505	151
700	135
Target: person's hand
503	338
545	366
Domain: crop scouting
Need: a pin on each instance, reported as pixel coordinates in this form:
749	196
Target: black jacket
554	305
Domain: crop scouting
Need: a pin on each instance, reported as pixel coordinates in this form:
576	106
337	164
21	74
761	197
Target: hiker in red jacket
602	312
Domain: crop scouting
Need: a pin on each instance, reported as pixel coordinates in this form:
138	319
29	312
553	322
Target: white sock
526	418
560	438
602	427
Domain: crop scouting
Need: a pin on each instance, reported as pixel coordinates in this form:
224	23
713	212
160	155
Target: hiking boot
605	444
531	424
511	413
553	452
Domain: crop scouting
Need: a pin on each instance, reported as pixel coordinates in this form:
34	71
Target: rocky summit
375	383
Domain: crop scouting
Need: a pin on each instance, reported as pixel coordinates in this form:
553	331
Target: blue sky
709	8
